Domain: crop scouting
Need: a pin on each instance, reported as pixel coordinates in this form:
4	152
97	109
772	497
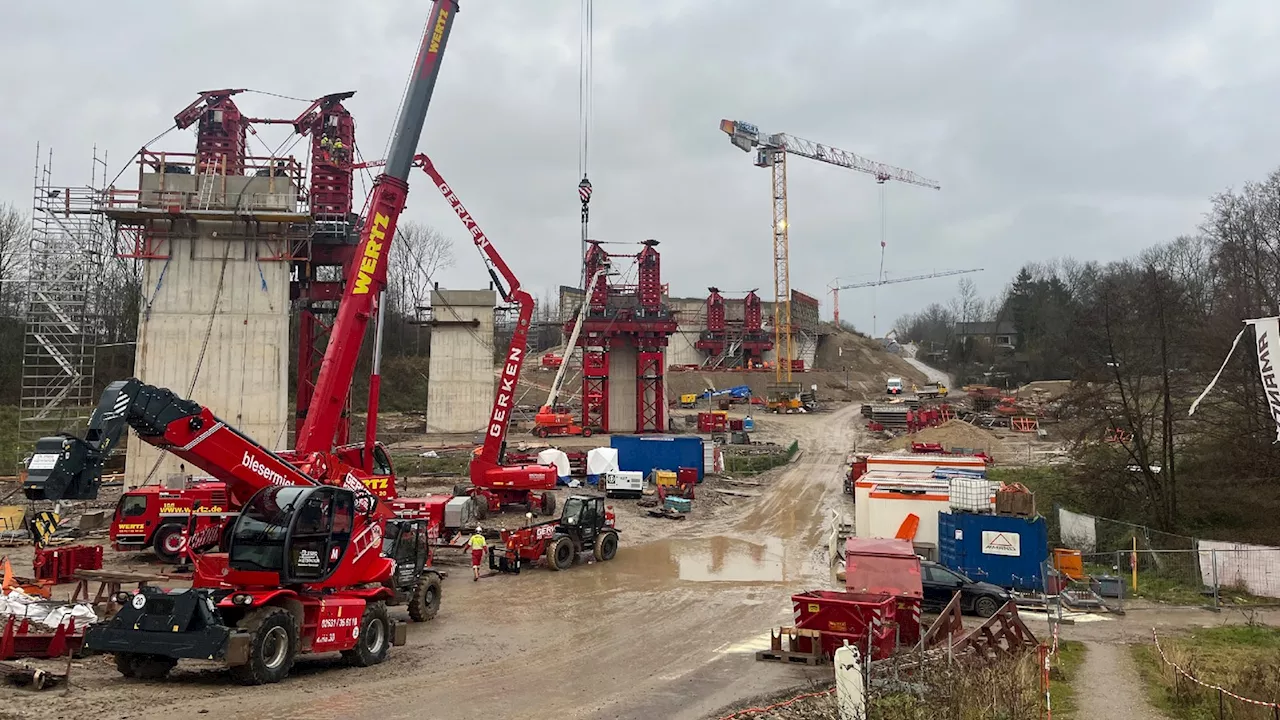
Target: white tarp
602	460
21	605
1255	568
551	456
1077	531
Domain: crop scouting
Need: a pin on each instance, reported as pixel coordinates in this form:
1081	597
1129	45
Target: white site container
924	464
883	503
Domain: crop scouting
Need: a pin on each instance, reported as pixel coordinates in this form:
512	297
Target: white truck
893	386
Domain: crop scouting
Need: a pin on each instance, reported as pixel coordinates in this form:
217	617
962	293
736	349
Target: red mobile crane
307	569
497	484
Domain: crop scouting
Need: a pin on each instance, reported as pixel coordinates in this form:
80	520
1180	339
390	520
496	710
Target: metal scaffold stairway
68	236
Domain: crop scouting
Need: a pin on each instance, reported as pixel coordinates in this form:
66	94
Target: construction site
255	515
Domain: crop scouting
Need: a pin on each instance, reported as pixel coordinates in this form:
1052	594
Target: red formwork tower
319	269
632	315
755	341
221	131
595	341
713	339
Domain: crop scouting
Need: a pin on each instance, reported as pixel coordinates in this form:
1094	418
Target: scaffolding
68	236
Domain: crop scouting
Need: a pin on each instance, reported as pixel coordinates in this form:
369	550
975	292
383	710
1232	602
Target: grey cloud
1089	129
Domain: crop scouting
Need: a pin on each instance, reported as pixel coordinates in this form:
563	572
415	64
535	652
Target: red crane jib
366	278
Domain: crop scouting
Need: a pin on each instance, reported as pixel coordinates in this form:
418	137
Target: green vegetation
1062	676
407	465
1244	659
12	449
758	463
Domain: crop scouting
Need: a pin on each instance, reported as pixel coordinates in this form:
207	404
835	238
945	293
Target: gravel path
1108	685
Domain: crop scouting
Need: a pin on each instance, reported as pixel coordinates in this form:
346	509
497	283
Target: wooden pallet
788	657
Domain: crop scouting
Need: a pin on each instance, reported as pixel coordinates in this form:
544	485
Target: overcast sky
1089	129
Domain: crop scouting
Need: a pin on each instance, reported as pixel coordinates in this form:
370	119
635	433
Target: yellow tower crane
771	152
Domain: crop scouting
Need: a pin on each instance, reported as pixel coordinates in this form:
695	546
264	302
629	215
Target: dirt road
661	631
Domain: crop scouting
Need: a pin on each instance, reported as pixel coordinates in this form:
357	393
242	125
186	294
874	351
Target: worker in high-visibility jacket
478	545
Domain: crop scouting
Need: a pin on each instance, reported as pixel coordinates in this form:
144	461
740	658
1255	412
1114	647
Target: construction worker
339	151
478	544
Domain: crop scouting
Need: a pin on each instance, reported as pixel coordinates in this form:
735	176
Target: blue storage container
748	423
999	549
646	453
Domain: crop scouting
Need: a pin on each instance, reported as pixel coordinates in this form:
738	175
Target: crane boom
367	276
570	344
912	278
771	152
504	401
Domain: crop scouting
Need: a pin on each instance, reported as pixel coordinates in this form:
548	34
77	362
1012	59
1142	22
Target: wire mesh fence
1121	560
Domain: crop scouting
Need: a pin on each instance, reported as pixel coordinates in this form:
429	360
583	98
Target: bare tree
420	252
15	236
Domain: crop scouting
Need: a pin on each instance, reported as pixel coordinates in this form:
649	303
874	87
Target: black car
977	598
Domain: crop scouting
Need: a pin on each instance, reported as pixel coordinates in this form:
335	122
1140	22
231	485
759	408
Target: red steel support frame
651	401
595	384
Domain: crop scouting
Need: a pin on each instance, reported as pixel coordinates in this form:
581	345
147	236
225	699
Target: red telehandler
313	557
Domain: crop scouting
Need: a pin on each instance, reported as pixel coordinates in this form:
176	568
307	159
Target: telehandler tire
273	646
548	502
374	641
560	553
424	602
606	546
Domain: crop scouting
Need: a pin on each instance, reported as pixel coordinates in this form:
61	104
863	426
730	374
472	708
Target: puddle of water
715	559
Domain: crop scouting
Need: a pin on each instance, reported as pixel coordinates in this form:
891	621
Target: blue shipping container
999	549
645	453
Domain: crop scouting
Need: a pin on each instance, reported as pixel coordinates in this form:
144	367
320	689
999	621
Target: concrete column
234	342
461	381
622	386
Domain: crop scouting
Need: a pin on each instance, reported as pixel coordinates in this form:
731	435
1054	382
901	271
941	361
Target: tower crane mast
771	152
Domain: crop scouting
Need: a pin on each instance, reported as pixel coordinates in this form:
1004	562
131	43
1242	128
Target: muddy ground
665	630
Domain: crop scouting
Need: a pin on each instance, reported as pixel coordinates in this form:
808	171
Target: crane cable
586	48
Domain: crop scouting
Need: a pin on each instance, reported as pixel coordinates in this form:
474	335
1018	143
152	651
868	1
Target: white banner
1001	543
1267	333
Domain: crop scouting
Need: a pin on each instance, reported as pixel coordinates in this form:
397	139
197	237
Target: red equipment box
686	476
59	565
709	422
841	617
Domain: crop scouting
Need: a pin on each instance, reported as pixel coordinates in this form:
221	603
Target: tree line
1140	338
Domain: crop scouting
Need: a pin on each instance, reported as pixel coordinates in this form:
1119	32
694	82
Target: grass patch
1242	658
1063	676
413	466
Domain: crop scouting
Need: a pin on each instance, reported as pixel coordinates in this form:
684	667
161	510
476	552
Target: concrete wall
622	386
244	375
228	192
680	349
461	376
